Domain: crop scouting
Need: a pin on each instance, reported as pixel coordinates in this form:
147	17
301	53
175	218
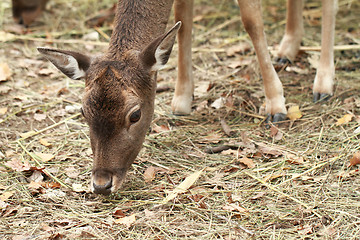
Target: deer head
118	103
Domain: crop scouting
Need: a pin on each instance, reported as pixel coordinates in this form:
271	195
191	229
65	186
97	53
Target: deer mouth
106	182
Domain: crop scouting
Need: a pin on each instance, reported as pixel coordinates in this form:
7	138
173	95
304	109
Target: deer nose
102	182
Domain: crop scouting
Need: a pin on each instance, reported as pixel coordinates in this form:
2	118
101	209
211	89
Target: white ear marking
159	59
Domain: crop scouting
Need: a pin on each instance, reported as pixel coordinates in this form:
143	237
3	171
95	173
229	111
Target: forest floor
240	179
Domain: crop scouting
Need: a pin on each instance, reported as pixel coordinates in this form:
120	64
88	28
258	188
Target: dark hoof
276	118
321	97
282	61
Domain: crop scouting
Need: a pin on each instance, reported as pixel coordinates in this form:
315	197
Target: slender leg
181	103
290	43
325	74
252	19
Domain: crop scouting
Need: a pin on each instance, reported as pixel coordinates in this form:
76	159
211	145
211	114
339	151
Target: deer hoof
321	97
282	61
181	105
276	118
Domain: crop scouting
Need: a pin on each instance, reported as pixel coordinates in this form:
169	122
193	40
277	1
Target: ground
240	179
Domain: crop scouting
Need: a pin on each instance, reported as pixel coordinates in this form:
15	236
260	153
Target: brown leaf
235	207
345	119
294	159
127	221
355	159
275	133
51	184
18	165
149	174
240	48
247	162
119	213
5	72
160	129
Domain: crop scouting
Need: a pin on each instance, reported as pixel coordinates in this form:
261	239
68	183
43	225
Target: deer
26	11
120	84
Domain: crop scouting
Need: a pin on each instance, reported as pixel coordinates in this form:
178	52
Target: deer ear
157	53
72	64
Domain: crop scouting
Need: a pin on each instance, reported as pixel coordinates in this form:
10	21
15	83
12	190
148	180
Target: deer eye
135	116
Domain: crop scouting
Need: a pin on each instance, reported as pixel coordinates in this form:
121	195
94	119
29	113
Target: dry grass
277	199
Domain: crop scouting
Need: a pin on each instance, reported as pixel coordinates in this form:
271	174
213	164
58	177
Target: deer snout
102	182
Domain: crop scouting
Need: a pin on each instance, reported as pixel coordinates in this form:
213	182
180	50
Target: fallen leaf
3	111
160	129
119	213
127	221
294	113
72	172
45	157
240	48
230	152
202	88
241	62
345	119
183	187
247	162
297	70
39	117
50	185
294	159
235	207
355	159
17	165
34	185
218	103
36	176
149	174
78	187
5	72
44	142
6	195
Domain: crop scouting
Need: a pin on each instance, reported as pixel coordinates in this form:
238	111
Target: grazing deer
25	11
120	85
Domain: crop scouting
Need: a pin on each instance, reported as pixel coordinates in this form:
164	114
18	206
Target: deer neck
137	23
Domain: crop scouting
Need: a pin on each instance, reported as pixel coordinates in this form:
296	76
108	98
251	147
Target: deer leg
290	43
325	74
181	103
252	19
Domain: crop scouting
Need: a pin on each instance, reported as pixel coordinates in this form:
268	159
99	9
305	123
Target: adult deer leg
181	103
290	43
252	19
324	79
